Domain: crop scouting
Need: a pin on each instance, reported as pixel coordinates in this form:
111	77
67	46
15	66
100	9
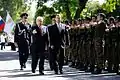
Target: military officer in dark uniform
39	40
58	38
23	39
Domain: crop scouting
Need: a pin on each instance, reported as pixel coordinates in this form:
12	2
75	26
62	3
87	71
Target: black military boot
84	68
97	71
110	70
90	69
72	64
77	65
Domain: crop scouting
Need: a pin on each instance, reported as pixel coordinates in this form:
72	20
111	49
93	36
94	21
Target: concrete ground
9	70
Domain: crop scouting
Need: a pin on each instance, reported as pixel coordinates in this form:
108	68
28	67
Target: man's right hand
16	44
52	47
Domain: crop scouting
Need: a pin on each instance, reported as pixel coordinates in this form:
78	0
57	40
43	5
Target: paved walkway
9	70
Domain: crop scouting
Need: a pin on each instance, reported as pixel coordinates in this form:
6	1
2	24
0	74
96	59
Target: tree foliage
14	7
110	5
70	9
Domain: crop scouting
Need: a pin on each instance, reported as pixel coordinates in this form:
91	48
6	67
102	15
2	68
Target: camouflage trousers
99	53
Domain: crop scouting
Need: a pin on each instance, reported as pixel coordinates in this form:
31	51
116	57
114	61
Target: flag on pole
2	24
9	25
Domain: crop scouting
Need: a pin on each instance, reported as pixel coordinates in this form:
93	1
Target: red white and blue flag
2	24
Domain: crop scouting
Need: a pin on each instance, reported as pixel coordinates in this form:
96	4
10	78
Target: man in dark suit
52	23
39	39
58	39
23	39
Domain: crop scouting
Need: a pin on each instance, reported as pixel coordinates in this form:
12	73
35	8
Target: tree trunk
82	4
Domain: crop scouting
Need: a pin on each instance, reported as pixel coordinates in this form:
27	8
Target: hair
87	18
39	18
53	16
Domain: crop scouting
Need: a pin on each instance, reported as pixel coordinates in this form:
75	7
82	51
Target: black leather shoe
118	73
21	67
24	66
61	72
98	71
41	73
33	71
56	72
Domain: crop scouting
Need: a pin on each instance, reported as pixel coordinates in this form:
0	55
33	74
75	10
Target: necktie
59	27
40	30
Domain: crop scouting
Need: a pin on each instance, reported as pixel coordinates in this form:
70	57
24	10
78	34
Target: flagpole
2	19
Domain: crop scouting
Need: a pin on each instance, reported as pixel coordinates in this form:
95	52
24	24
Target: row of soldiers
95	45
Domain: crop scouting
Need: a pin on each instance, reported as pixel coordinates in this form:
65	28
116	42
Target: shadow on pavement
5	56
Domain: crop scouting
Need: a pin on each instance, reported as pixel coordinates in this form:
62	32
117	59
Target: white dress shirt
61	26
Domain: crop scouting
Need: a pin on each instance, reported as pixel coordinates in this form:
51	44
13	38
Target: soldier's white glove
52	47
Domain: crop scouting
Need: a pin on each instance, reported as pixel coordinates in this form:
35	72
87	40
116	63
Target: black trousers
38	57
57	58
2	45
23	53
23	57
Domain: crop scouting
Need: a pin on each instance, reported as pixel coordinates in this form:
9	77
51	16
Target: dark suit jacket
57	38
38	40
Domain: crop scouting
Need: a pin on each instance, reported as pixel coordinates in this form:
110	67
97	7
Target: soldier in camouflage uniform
99	38
72	46
110	40
117	48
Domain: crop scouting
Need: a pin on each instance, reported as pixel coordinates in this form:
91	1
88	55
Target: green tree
91	9
110	5
71	8
14	7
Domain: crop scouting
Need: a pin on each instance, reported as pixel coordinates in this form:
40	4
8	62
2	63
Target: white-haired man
39	39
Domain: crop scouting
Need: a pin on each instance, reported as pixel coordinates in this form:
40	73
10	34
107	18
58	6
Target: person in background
11	41
3	40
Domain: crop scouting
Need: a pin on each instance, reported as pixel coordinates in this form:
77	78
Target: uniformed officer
23	39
